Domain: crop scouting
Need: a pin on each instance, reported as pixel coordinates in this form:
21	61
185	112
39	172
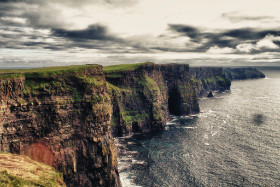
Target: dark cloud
80	3
187	30
244	33
236	17
111	3
9	1
226	38
92	32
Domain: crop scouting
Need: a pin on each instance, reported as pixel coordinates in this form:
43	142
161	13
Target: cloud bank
38	32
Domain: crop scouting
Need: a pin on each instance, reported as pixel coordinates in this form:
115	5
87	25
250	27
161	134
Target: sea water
234	141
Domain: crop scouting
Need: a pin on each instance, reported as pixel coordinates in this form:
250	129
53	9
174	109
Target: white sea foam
127	180
213	134
170	123
190	127
139	162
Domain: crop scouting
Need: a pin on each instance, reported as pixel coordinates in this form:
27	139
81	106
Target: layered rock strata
61	118
65	117
209	79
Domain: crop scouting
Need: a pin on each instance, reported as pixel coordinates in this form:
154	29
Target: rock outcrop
243	73
61	118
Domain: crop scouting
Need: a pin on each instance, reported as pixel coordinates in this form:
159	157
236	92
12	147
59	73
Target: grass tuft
123	67
19	170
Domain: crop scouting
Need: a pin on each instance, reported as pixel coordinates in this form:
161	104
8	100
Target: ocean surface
234	141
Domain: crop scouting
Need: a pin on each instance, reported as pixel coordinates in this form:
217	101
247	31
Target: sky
197	32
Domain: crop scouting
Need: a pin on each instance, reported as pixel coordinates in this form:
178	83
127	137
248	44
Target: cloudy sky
198	32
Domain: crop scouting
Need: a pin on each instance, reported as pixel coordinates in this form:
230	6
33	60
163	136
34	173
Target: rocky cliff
144	95
243	73
65	116
208	79
61	118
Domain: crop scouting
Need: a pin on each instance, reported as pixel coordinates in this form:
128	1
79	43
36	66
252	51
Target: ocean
234	141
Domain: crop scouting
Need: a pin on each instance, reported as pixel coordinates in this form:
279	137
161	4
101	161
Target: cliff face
243	73
207	79
144	96
62	119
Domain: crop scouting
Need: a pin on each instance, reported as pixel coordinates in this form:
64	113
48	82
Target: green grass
113	87
123	67
210	80
53	80
92	80
19	171
6	76
44	69
42	72
130	117
194	80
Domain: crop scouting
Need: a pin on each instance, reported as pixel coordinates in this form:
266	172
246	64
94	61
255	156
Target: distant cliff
243	73
65	116
143	95
208	79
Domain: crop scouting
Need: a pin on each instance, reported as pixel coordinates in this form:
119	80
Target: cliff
18	170
208	79
144	95
243	73
64	116
61	117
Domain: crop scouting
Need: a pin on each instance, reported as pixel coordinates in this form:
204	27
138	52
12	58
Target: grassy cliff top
16	170
7	73
123	67
45	69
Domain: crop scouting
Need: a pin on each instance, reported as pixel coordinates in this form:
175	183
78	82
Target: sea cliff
143	97
61	118
243	73
66	116
208	79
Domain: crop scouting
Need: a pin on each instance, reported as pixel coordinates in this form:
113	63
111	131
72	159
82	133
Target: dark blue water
234	141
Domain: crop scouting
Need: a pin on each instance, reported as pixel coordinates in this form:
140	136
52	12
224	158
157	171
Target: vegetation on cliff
124	67
46	70
207	79
143	95
68	112
65	112
243	73
18	170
